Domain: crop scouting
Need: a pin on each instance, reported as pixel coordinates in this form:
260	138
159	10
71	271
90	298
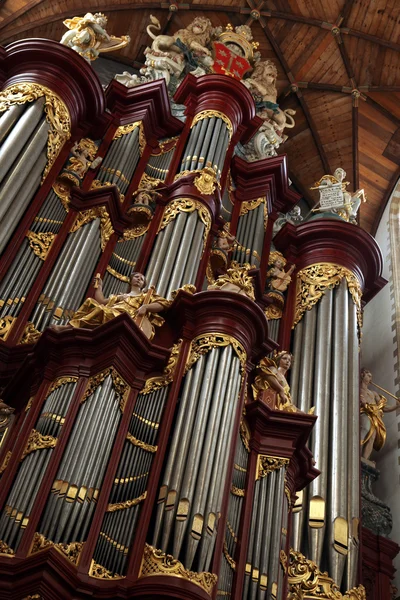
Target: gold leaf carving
96	183
5	462
156	562
313	281
187	205
115	273
250	205
56	112
63	191
228	557
237	275
306	580
125	129
126	504
267	464
121	387
30	335
155	383
245	434
140	444
71	551
208	114
100	572
61	381
40	243
6	324
5	549
37	441
206	181
237	491
98	212
206	342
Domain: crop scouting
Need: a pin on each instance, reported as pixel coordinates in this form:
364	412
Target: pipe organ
166	464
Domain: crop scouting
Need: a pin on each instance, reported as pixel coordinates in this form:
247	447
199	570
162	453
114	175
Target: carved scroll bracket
204	343
155	383
267	464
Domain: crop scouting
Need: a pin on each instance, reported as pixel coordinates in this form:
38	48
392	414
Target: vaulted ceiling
338	66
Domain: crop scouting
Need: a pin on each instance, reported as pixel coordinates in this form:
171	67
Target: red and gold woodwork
136	467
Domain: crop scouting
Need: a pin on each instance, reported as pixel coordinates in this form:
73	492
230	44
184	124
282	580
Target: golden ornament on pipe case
267	464
71	551
209	114
187	205
99	212
155	383
37	441
120	385
40	243
99	572
206	342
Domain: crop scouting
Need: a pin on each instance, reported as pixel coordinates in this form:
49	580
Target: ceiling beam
110	7
384	111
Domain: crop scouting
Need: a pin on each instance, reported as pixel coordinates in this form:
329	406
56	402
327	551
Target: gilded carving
30	335
100	572
126	504
71	551
120	386
125	129
209	114
206	342
96	184
55	110
237	491
236	279
37	441
5	462
115	273
250	205
313	281
98	212
187	205
275	310
206	181
245	434
63	191
156	562
228	557
140	444
267	464
6	324
61	381
306	580
155	383
5	549
40	243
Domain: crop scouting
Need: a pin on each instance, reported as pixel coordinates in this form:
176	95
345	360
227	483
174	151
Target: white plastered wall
379	353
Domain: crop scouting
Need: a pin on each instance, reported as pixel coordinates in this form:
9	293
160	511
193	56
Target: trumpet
386	391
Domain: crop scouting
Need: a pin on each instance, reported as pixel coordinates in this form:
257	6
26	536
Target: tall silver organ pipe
207	143
327	376
122	157
236	497
69	278
178	247
250	232
24	269
194	476
130	483
69	509
23	157
121	265
158	164
35	460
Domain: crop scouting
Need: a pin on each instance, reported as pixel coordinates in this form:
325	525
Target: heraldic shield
226	62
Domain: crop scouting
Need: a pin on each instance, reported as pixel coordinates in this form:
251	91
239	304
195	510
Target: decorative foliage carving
250	205
37	441
98	212
206	342
237	491
61	381
306	580
245	434
228	557
120	386
125	129
5	462
6	324
40	243
187	205
237	276
5	549
209	114
206	181
100	572
155	383
30	335
126	504
267	464
314	280
156	562
140	444
56	112
71	551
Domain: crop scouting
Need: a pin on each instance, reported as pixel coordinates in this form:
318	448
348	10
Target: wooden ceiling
338	63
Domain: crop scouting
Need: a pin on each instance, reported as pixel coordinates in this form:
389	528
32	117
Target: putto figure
88	36
143	307
271	376
372	407
278	279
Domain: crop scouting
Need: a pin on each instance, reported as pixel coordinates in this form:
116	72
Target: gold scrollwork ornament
209	114
313	281
206	181
99	212
237	276
267	464
40	243
120	385
306	580
250	205
56	112
5	549
30	335
204	343
6	324
37	441
99	572
187	205
156	562
71	551
155	383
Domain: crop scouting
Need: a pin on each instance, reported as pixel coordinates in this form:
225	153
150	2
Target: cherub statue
277	278
372	407
271	375
146	194
225	239
143	307
88	36
294	217
83	153
237	279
